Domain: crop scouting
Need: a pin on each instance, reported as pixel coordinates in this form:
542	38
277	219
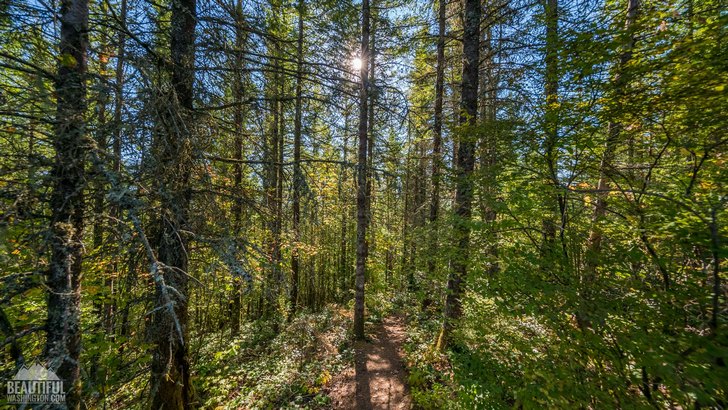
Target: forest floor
377	379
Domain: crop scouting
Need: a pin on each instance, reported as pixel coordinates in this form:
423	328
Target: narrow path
378	379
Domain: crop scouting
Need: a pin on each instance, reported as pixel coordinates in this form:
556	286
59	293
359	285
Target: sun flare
356	63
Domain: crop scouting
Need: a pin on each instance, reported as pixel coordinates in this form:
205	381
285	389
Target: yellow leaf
68	60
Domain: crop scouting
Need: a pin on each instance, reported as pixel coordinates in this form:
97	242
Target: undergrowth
264	370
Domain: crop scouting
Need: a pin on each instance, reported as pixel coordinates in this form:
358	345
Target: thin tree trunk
16	351
102	306
361	197
101	142
119	93
407	219
238	92
489	153
436	145
371	140
715	246
272	185
549	225
297	175
463	169
344	261
278	254
170	367
63	344
117	126
614	129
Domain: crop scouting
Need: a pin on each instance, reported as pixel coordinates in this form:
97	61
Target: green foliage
551	319
429	377
286	371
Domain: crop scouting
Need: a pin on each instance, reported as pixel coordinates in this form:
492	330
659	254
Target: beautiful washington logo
35	385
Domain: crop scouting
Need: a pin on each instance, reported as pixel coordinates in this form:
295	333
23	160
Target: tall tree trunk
102	128
238	92
277	279
614	129
372	94
489	152
436	145
463	169
407	218
170	367
101	305
119	94
115	211
343	240
63	344
552	209
297	174
361	197
273	187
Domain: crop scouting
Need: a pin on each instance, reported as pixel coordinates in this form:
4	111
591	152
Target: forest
363	204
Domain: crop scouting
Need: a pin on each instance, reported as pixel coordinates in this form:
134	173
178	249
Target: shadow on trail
377	380
363	392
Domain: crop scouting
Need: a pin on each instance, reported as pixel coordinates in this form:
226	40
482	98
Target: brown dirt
378	379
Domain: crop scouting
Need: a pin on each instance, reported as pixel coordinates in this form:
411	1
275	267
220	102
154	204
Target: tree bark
345	283
103	307
238	93
489	152
297	174
101	139
371	140
273	184
170	367
115	210
436	145
361	197
119	94
63	343
277	280
463	169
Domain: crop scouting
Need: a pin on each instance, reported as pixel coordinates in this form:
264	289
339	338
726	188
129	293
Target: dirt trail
378	379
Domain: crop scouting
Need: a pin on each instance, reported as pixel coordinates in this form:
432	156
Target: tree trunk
63	344
489	152
277	280
297	174
101	305
343	241
463	169
116	146
16	351
101	141
552	209
273	188
436	145
361	197
370	123
238	92
614	128
170	367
